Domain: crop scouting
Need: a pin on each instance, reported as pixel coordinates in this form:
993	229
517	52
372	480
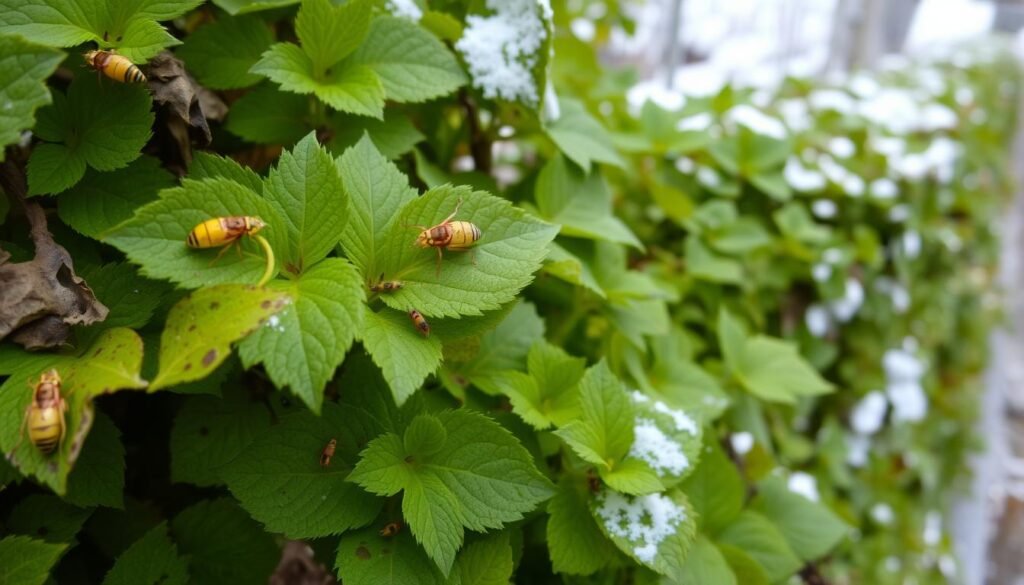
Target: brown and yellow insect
420	322
391	529
386	286
223	231
44	415
328	452
457	236
114	66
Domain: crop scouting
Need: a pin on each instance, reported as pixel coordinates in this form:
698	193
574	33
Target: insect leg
223	250
438	273
449	218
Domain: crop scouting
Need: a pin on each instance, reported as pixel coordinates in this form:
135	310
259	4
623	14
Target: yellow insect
44	415
457	236
420	322
228	231
386	286
328	452
114	66
391	529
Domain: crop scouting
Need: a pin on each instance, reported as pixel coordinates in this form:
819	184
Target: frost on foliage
882	513
656	449
801	178
742	442
696	123
818	320
804	484
757	121
824	208
903	372
503	48
644	521
869	413
405	9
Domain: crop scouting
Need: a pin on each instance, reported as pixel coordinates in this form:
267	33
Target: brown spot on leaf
209	357
410	459
265	304
192	327
363	553
98	351
188	366
214	306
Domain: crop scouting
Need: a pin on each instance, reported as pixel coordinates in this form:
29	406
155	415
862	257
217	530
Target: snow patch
645	520
652	446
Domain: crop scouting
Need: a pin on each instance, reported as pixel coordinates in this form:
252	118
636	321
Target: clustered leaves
625	379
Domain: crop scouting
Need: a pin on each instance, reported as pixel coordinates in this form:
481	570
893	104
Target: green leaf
404	356
102	201
377	191
481	478
220	54
367	558
201	328
705	565
811	529
155	237
510	250
347	87
704	264
279	481
744	567
549	395
330	33
267	115
655	530
130	298
582	204
768	368
581	137
773	184
486	561
393	136
715	489
55	23
98	476
223	544
111	363
248	6
575	542
413	65
306	187
24	68
153	559
761	540
47	517
90	131
303	345
209	432
26	561
604	432
209	166
503	348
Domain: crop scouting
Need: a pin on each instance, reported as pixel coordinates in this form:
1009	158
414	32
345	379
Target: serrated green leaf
152	560
55	23
582	204
130	298
413	65
404	356
267	115
768	368
654	530
377	191
329	33
510	250
756	536
155	237
306	188
47	517
279	481
223	544
745	568
90	132
208	166
486	561
367	558
249	6
201	328
549	395
111	363
481	478
98	476
103	200
209	432
347	87
26	561
575	542
221	53
704	264
581	137
715	489
811	529
705	565
24	68
503	348
393	136
303	345
604	431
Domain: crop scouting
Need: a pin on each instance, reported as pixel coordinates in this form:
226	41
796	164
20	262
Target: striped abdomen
218	231
454	235
45	428
420	322
117	67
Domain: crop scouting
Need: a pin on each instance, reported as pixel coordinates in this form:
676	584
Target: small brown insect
386	286
420	322
328	452
457	236
593	481
114	66
391	529
44	415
